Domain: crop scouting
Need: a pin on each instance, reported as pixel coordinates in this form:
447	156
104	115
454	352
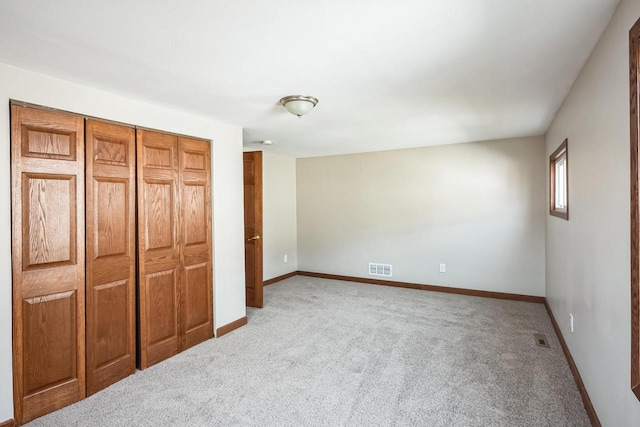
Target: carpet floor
330	353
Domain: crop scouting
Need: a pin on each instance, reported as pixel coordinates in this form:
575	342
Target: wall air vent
380	269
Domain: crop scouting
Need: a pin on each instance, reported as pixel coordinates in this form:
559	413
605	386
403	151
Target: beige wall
279	215
587	257
479	208
228	249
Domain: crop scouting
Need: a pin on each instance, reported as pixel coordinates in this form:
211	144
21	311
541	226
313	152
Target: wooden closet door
47	167
158	246
110	241
195	241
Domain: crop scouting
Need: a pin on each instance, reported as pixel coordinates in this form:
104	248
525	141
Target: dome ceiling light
299	105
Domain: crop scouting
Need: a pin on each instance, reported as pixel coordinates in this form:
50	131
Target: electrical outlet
571	321
443	268
285	258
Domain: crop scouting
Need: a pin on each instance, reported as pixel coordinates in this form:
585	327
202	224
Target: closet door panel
49	335
49	213
195	237
196	298
110	159
159	260
159	215
47	168
162	313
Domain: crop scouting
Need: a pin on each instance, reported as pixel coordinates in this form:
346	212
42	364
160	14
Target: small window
559	182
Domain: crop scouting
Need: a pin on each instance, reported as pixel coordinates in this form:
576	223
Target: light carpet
330	353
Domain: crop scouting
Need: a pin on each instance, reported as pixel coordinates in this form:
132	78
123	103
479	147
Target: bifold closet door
174	238
48	259
158	253
195	241
110	242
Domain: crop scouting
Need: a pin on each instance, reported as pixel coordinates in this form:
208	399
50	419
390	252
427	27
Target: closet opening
100	286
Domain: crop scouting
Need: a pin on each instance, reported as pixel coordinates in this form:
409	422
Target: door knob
253	238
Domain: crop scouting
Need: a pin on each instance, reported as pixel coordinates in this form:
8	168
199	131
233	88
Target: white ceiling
388	73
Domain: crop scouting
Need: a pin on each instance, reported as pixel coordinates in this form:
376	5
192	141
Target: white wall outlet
443	268
571	321
286	258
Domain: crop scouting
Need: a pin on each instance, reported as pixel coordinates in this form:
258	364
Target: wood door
110	243
47	168
195	241
253	227
158	246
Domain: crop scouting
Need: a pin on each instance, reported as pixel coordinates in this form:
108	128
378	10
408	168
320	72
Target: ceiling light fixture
299	105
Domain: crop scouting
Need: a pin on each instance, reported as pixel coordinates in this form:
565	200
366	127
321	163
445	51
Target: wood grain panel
48	212
196	296
47	178
46	281
49	400
195	213
194	161
159	157
174	214
111	322
110	150
253	228
44	142
195	241
250	273
159	254
159	221
49	331
162	320
111	216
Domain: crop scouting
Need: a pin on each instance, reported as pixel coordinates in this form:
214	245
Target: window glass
559	182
